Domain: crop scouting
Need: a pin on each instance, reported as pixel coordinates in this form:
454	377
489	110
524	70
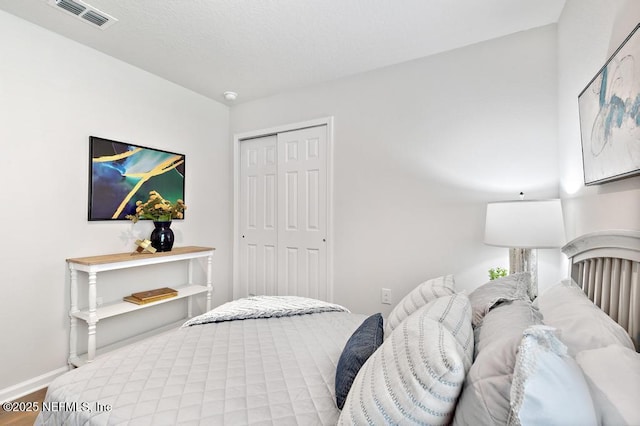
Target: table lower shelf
119	308
81	359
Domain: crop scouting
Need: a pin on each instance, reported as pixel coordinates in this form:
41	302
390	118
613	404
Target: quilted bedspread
255	371
265	307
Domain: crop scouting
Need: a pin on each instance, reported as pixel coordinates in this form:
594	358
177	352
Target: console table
95	264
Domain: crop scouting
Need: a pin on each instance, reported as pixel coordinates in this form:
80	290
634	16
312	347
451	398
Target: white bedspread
265	307
256	371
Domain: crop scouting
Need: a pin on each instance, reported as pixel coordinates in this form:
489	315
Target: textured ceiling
261	47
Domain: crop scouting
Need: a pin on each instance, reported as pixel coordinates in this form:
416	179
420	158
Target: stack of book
150	296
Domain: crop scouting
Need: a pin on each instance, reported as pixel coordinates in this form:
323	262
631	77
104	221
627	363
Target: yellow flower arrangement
158	209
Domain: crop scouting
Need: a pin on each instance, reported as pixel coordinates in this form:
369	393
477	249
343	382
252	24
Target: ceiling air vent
95	18
71	6
84	12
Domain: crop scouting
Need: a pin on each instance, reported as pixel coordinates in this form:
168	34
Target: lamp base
525	260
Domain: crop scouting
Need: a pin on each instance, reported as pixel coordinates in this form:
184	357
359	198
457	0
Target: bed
440	357
606	265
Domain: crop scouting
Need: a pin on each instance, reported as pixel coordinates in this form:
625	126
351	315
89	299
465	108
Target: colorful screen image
121	174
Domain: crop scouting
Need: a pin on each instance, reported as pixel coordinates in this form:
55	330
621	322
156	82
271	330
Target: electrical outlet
385	296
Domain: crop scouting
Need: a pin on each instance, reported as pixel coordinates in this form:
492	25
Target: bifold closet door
283	214
258	220
302	213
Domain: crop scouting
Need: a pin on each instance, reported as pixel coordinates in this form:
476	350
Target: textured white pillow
548	387
613	375
454	312
417	374
581	324
419	296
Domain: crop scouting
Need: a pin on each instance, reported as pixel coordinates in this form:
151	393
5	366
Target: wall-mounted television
122	173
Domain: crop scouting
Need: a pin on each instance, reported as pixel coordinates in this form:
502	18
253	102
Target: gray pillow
362	343
486	394
485	297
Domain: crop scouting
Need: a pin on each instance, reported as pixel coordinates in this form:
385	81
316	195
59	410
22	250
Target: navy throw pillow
362	343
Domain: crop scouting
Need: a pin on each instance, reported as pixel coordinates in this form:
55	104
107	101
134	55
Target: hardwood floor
23	418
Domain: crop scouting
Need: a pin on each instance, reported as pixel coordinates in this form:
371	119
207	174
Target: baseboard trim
29	386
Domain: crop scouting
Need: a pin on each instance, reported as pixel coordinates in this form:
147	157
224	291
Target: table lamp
525	226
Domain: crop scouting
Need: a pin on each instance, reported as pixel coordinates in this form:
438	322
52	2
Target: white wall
54	94
419	149
589	31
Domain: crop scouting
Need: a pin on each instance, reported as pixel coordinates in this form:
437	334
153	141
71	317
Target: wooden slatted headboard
606	264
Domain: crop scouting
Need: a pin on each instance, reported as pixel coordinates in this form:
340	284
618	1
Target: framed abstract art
610	116
122	173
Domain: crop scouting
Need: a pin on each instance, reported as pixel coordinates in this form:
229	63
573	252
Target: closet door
302	213
283	214
258	220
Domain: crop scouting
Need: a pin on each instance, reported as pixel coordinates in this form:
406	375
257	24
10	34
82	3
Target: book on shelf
149	296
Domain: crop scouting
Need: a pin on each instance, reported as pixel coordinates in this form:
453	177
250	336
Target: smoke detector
230	96
84	12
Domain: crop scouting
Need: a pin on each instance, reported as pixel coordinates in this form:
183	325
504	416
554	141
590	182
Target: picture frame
122	173
609	109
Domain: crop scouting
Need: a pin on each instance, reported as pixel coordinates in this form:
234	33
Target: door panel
258	215
270	191
291	201
313	200
302	229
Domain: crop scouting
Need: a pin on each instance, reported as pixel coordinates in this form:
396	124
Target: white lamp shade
525	224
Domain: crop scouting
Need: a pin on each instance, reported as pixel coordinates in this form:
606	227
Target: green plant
158	209
495	273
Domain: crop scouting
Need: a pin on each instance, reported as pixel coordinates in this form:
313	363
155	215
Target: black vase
162	236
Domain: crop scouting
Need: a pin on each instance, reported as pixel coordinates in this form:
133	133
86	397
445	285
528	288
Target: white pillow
581	324
454	312
417	298
415	376
613	375
548	387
